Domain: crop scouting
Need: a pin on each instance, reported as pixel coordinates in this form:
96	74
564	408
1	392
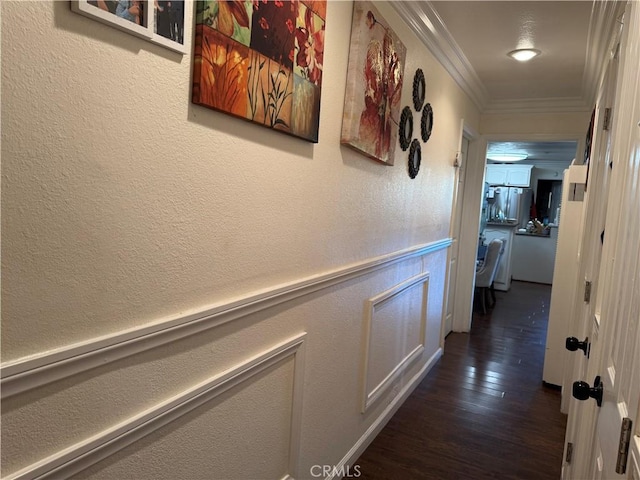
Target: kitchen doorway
530	244
546	145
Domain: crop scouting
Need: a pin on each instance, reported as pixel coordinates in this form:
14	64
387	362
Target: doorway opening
528	196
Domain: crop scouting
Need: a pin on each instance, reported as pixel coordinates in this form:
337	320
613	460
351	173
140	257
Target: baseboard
376	427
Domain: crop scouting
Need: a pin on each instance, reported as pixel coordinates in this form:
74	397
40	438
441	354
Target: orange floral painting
262	61
374	85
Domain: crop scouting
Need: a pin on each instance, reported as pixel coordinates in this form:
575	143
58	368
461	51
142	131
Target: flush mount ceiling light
507	157
524	54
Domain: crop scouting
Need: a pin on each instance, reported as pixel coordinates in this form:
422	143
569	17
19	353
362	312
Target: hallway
482	412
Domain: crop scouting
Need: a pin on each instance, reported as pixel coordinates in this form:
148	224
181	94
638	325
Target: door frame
454	283
469	225
472	203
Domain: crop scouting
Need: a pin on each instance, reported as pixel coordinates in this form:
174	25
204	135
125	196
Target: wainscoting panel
31	372
197	434
395	327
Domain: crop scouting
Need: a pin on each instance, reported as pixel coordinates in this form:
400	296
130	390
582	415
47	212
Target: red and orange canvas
374	85
262	61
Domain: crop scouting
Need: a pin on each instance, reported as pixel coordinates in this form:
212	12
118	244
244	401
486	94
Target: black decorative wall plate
406	128
415	157
419	89
426	122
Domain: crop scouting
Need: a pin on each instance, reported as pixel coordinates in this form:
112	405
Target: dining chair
486	273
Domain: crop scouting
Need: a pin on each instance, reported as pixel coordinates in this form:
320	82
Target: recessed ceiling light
507	157
524	54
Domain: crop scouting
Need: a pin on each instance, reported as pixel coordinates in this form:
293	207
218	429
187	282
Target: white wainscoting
88	452
36	370
382	365
363	442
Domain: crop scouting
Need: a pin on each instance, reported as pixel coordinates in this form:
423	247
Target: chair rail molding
40	369
82	455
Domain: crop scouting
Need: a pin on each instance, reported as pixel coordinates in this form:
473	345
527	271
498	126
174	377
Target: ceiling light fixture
507	157
524	54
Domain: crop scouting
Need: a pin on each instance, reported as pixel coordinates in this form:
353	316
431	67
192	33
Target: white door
583	327
615	348
456	222
620	268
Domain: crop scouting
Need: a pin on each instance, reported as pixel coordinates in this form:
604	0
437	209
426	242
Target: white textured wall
123	205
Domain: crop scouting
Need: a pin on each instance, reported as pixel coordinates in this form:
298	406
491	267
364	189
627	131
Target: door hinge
623	446
567	457
587	291
607	119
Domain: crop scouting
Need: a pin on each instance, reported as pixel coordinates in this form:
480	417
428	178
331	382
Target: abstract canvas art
262	61
374	85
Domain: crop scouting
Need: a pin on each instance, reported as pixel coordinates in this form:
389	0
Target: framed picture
374	85
161	22
262	61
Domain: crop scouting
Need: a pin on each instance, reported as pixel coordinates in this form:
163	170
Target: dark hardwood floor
482	411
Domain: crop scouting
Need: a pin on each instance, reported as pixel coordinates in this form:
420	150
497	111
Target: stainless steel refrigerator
509	204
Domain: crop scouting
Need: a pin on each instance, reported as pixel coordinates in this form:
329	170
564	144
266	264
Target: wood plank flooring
483	411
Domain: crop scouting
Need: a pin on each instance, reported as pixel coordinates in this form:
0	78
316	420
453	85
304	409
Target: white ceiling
540	154
472	38
485	31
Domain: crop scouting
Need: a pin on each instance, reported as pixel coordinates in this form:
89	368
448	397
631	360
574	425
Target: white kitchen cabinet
511	175
505	233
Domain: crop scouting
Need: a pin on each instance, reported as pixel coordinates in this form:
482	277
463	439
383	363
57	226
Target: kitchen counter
503	224
547	234
528	234
534	259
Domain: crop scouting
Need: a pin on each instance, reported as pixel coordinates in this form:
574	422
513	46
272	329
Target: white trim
73	459
602	23
369	397
539	105
467	247
376	427
423	20
634	464
33	371
426	24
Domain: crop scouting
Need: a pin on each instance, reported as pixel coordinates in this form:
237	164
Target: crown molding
601	44
426	24
423	20
538	105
